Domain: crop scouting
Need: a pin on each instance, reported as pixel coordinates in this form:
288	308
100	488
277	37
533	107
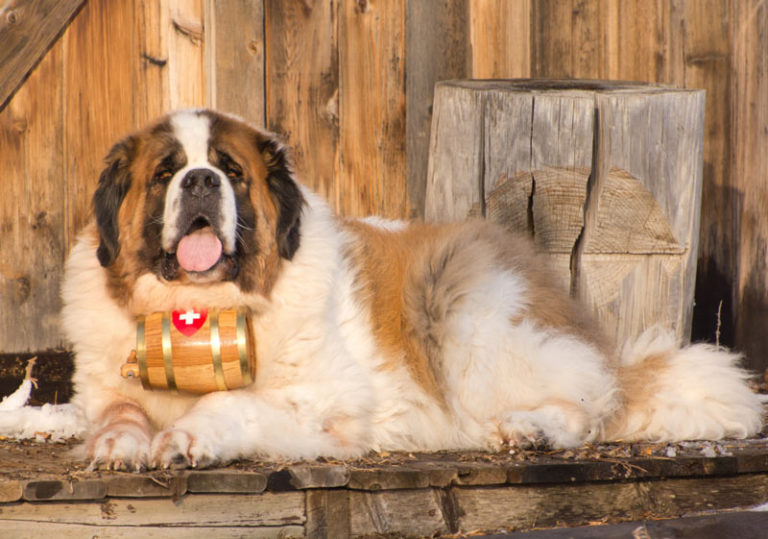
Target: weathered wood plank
11	491
125	485
226	482
750	146
98	103
479	473
328	514
56	490
647	188
500	37
571	505
235	58
150	61
309	476
185	30
416	513
32	210
507	183
437	48
640	42
708	65
371	178
302	86
613	470
562	134
170	61
456	155
199	510
35	529
555	53
377	479
27	30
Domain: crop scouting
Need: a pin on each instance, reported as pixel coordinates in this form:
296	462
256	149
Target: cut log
606	178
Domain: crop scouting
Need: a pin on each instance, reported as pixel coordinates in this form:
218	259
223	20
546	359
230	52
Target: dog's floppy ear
287	196
114	182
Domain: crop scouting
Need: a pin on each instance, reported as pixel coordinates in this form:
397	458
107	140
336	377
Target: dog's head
198	197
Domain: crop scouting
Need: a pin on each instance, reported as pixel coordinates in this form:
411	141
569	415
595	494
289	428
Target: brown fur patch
638	383
383	259
121	411
411	279
243	142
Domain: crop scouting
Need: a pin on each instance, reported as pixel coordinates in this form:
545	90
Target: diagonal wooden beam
27	30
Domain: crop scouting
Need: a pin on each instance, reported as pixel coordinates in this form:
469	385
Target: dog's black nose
200	181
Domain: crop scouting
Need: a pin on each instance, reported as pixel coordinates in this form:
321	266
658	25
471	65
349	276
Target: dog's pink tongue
199	251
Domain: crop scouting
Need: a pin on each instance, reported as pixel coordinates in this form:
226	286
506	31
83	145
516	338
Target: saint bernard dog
370	334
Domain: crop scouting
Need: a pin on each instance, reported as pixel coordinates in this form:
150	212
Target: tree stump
605	176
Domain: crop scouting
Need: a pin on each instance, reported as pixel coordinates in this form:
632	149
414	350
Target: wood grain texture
32	216
371	178
412	513
507	182
500	34
562	134
27	30
749	174
150	61
558	505
200	510
708	65
235	58
302	86
99	100
645	202
453	188
565	39
33	530
185	31
521	153
171	57
437	48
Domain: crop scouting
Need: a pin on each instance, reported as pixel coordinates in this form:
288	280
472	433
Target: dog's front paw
548	426
119	446
178	448
520	430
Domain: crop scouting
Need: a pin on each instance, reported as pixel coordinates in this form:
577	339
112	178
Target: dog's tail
698	392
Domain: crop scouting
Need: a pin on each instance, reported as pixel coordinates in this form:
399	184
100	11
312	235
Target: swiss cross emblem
189	321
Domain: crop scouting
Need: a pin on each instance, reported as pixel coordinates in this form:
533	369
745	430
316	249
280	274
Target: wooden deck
43	489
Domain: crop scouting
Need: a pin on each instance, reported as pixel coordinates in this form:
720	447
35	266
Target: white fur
191	130
702	394
324	386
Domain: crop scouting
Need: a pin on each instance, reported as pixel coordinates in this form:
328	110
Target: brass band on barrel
218	370
168	353
242	349
141	354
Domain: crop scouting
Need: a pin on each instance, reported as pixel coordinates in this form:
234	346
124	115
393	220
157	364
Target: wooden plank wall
349	84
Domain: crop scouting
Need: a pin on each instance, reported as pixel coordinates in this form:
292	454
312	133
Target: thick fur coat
369	334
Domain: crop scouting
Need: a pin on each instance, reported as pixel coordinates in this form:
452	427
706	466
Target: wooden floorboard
43	487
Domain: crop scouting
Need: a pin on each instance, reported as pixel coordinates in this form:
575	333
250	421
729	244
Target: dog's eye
162	175
233	171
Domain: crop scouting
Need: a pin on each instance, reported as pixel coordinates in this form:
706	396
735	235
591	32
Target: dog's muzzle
198	245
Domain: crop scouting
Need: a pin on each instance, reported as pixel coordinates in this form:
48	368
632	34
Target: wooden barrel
194	350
